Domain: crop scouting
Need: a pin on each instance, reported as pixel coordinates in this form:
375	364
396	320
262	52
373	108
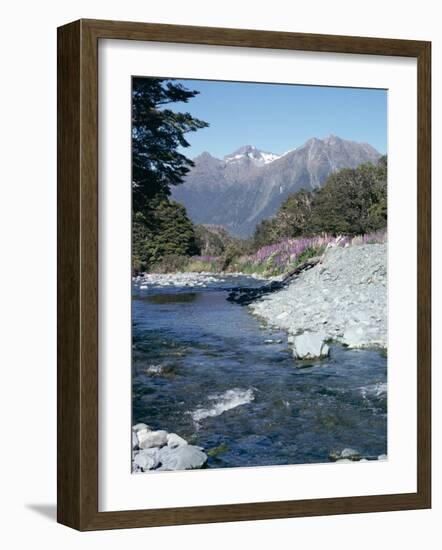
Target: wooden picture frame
78	274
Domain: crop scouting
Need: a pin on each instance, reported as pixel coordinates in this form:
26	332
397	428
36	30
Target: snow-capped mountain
250	152
248	185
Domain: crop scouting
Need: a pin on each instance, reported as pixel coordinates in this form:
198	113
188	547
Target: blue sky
280	117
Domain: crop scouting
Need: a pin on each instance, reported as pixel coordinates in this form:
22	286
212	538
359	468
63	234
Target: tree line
351	202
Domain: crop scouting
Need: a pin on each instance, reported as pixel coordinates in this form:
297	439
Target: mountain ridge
248	185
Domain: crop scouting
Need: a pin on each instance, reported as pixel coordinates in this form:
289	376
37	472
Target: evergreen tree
160	226
157	133
162	229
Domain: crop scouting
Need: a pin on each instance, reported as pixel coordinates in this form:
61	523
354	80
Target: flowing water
208	370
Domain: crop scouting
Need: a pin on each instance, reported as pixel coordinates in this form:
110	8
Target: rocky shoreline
158	450
187	279
162	451
342	299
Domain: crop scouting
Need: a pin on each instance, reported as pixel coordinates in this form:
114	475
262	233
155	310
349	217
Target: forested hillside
351	202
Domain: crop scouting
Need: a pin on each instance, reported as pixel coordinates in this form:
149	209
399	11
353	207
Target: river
210	371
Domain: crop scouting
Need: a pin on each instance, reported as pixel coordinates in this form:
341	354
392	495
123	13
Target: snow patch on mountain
252	153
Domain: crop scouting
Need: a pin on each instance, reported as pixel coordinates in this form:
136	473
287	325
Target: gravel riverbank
186	279
343	298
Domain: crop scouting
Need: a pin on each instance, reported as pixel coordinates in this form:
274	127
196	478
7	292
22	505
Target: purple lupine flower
285	252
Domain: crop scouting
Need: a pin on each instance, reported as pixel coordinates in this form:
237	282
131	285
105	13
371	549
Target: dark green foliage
235	249
308	254
212	240
157	133
291	220
351	202
264	233
161	227
162	230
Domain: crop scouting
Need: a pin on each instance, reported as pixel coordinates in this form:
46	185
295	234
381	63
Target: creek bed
210	371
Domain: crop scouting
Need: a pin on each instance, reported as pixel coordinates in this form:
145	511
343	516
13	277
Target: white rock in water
345	454
184	457
310	345
140	432
147	459
134	440
174	440
382	457
139	427
152	439
353	337
351	454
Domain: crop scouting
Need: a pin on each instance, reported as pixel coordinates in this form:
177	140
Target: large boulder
140	426
153	439
174	440
139	433
147	459
183	457
310	345
353	336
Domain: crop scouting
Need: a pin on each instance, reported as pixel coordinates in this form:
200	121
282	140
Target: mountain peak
250	152
243	150
332	138
205	155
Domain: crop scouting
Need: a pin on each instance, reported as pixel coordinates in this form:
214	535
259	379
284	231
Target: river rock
189	279
140	426
174	440
147	459
345	454
152	439
310	345
139	433
353	337
183	457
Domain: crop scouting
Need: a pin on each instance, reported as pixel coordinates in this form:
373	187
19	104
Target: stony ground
174	279
343	298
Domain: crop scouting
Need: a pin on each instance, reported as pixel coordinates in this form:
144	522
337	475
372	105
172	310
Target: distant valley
249	185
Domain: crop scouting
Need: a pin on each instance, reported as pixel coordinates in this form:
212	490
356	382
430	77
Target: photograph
259	274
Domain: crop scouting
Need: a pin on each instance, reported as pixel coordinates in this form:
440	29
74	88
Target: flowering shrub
275	259
377	237
278	258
